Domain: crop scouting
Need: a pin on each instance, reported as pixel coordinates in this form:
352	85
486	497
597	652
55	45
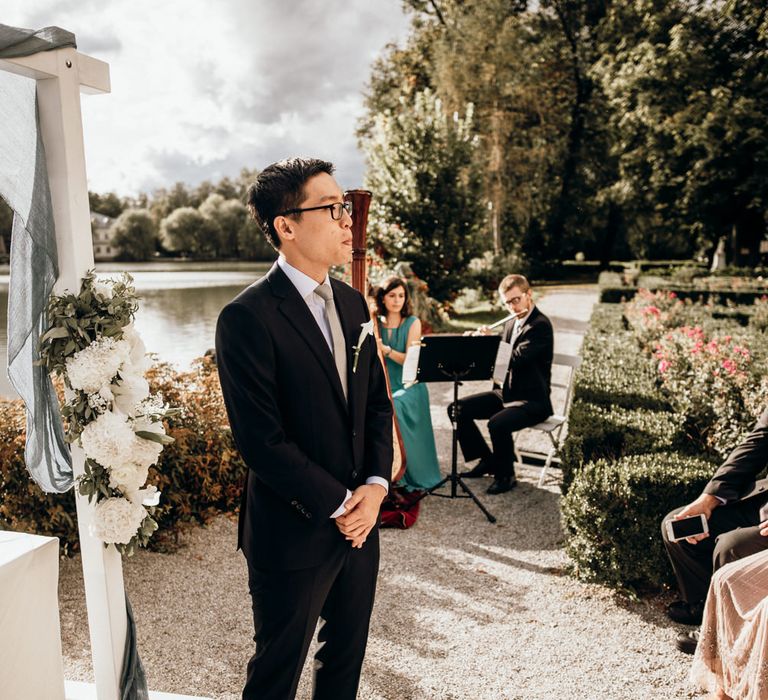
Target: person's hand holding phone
703	505
764	520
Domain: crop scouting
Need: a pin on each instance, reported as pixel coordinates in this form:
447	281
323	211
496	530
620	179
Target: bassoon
361	201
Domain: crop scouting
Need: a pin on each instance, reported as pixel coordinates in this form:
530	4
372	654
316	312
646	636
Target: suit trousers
733	534
286	609
503	422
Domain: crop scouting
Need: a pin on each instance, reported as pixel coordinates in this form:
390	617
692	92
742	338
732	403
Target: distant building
103	248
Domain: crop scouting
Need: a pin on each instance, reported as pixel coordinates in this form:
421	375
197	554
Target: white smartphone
687	527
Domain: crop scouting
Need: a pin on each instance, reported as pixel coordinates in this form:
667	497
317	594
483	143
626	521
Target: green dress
412	409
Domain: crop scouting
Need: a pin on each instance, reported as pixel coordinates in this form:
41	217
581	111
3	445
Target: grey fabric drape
34	268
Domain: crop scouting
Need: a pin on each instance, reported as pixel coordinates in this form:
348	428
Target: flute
505	319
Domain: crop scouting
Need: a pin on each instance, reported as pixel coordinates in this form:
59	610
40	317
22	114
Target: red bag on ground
399	510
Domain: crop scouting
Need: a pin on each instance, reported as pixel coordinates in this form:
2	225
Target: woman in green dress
398	330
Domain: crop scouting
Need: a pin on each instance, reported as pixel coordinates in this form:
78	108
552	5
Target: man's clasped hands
361	512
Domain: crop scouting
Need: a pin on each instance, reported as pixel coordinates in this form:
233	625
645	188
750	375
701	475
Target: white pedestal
75	690
30	635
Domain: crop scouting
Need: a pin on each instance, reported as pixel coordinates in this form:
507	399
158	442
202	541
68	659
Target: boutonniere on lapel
366	329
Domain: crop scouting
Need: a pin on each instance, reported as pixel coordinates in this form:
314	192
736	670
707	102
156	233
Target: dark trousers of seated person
733	534
501	424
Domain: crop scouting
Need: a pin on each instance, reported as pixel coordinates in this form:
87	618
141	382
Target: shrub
759	319
24	507
615	373
200	475
711	380
612	515
610	432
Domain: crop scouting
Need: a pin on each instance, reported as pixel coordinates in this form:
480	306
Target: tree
135	234
226	217
107	204
689	96
252	244
187	232
428	208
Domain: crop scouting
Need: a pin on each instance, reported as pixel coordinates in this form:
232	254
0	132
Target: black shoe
482	468
687	642
501	484
686	613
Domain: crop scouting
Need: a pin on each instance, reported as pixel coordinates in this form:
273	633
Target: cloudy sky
201	89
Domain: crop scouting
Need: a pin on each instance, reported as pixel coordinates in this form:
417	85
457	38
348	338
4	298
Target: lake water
178	308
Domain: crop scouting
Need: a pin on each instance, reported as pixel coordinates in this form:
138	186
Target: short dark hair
280	187
385	288
514	281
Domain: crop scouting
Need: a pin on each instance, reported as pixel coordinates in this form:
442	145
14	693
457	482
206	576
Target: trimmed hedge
626	460
612	516
615	295
610	432
200	475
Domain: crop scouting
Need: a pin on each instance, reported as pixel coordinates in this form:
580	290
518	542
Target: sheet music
502	363
411	363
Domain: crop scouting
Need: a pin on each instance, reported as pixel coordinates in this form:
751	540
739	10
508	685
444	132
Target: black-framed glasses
512	301
337	210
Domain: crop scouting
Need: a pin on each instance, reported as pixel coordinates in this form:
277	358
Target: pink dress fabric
733	649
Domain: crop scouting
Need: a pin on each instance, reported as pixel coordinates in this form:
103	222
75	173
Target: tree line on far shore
207	222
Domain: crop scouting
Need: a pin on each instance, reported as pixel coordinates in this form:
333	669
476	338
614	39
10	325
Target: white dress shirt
306	286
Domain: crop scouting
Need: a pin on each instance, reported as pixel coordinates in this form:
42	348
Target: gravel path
465	609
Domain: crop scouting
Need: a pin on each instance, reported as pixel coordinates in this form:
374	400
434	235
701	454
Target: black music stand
456	358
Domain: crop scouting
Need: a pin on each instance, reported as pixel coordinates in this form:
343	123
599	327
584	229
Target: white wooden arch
61	75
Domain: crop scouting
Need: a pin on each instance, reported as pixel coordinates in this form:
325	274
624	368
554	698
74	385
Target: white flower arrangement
94	347
366	329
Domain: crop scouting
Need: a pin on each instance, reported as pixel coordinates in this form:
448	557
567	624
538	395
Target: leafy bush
611	432
24	507
200	475
612	515
615	373
711	380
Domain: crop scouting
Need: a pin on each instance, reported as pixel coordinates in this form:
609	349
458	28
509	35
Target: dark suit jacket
736	478
530	367
303	444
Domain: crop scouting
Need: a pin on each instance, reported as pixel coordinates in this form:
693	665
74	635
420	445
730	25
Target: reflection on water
177	313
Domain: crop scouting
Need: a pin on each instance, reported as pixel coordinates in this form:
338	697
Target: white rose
128	477
129	391
103	290
94	367
138	352
149	496
116	520
145	453
109	440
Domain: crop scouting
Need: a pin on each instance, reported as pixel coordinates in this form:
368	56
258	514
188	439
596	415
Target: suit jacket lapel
531	317
299	316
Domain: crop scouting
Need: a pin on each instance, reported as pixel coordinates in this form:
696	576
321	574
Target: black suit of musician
525	392
315	429
732	503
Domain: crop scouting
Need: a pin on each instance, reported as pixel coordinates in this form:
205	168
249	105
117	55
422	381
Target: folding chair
555	424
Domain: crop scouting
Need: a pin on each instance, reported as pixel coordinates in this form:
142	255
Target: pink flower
664	365
652	311
729	366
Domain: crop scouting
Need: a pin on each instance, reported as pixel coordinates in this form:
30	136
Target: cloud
199	92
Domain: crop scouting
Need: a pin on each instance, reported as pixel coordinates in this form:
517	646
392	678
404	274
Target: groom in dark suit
307	401
523	400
